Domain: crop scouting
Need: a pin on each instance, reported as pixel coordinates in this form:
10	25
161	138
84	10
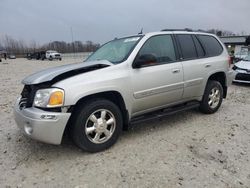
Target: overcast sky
102	20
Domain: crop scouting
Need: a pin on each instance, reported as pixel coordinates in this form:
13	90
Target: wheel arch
113	96
220	77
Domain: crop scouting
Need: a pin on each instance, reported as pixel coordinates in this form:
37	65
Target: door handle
176	71
207	65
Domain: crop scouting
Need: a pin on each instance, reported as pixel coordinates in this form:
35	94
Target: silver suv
125	81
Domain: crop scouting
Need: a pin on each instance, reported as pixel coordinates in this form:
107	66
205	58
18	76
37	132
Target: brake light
230	61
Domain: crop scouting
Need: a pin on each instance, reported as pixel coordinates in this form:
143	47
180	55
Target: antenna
73	45
141	32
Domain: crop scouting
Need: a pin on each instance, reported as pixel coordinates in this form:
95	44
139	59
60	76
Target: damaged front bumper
41	125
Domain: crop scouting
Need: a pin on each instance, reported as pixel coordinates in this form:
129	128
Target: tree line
20	47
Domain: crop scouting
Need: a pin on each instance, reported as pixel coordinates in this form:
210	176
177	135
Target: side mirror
144	60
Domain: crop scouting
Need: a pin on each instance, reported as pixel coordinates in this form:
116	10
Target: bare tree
19	47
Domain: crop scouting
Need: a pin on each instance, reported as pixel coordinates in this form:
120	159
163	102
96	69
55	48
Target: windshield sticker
132	39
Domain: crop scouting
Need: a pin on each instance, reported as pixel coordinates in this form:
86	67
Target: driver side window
161	47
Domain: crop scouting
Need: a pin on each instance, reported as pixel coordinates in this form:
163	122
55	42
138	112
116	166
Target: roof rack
186	29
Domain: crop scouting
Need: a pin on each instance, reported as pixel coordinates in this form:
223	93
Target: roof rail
186	29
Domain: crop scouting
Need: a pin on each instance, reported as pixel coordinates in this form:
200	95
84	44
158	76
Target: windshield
116	50
247	58
51	51
242	53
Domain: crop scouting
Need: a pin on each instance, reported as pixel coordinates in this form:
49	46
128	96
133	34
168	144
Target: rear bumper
41	125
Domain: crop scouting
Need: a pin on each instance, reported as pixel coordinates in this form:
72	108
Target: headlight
52	97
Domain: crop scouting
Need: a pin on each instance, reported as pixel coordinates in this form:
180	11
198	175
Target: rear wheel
96	125
212	97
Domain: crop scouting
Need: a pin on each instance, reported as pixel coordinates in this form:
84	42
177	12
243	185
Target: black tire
50	58
60	59
80	121
206	106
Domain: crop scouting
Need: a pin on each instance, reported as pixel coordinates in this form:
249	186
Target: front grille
27	96
57	55
23	103
243	77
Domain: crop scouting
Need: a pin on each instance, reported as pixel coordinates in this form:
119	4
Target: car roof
169	32
179	32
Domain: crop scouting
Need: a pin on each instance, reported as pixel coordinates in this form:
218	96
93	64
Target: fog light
52	117
28	128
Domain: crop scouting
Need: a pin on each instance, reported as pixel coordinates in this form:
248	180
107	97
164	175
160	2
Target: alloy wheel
100	126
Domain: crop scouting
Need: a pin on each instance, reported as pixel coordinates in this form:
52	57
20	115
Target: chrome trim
158	90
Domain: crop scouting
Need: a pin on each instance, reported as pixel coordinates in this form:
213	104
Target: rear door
193	65
199	58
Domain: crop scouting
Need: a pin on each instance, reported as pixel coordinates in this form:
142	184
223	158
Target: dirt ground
188	149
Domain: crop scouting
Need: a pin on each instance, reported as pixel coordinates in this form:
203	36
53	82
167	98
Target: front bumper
41	125
242	77
57	57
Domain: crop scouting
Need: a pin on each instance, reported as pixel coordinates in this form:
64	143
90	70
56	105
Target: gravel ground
188	149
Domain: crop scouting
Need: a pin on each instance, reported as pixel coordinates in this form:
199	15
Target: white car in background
50	55
241	55
12	56
242	69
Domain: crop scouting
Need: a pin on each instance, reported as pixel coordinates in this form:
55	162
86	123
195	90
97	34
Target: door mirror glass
145	59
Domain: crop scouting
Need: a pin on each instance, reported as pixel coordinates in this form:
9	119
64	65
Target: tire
212	97
98	136
50	58
60	59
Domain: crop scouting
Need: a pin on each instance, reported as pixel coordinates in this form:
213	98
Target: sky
103	20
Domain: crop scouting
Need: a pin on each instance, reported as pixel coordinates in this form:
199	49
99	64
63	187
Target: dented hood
62	72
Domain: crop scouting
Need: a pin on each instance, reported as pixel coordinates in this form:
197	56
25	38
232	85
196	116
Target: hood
56	74
243	64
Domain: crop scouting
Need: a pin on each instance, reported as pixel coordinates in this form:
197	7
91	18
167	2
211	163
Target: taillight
230	61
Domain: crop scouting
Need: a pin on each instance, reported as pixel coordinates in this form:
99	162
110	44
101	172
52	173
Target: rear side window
187	46
161	46
199	48
211	45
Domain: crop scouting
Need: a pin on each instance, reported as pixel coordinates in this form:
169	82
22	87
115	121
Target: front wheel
96	125
212	97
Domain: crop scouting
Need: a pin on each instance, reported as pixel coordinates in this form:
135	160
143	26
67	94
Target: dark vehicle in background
36	55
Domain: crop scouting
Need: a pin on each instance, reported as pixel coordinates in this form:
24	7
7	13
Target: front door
156	84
